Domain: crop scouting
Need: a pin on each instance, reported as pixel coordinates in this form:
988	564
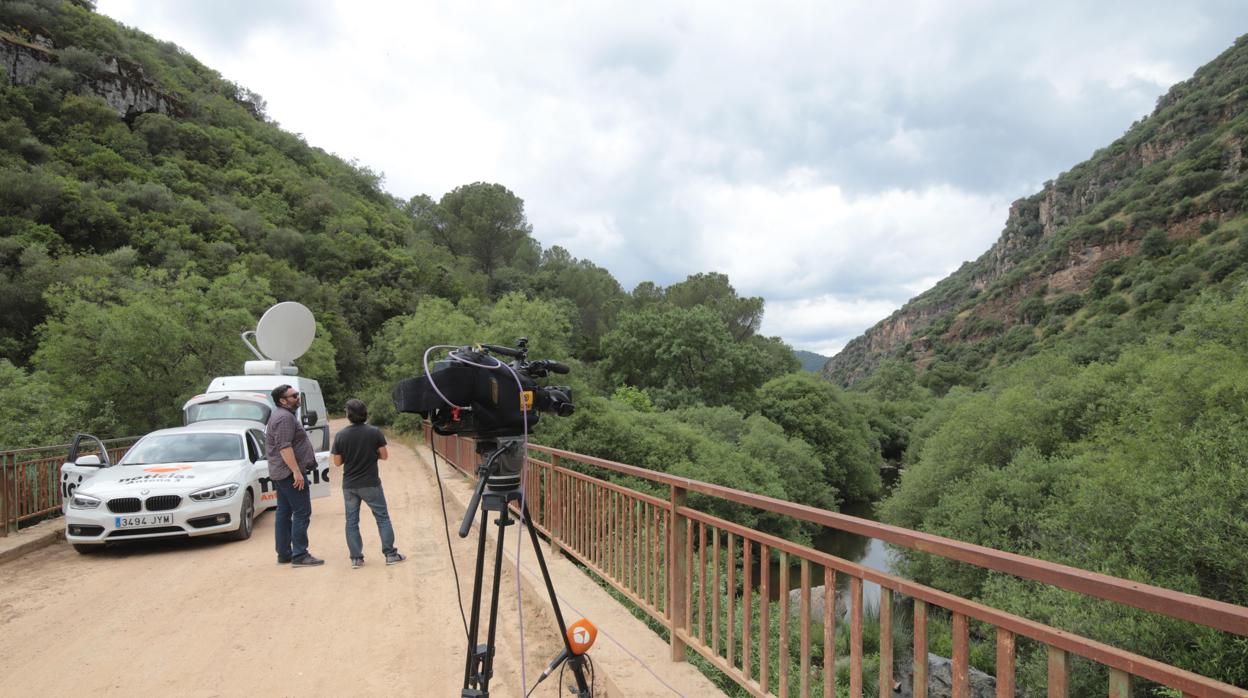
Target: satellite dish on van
286	331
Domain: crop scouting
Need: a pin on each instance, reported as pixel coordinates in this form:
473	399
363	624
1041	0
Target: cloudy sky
834	157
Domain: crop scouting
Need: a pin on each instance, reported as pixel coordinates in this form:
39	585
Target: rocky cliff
24	60
1174	170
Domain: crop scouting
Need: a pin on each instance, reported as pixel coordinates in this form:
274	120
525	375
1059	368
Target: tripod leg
574	661
504	520
472	664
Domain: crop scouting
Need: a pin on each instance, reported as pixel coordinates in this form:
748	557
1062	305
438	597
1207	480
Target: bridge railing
30	480
692	572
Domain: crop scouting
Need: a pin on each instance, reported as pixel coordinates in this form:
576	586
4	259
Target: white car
202	479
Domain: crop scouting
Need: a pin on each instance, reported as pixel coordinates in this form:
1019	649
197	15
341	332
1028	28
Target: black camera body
479	395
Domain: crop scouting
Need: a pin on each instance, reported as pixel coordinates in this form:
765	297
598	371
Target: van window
228	409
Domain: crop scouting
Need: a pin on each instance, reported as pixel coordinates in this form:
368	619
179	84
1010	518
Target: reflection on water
868	552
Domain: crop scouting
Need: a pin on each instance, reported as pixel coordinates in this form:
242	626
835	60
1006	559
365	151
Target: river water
868	552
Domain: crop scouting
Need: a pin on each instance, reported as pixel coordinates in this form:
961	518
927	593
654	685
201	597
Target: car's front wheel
245	516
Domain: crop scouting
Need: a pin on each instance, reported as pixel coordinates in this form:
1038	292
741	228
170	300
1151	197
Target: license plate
146	520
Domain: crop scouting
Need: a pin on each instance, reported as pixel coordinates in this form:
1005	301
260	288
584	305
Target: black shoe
283	560
306	560
395	558
357	563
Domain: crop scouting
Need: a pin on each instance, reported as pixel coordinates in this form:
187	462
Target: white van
249	396
261	377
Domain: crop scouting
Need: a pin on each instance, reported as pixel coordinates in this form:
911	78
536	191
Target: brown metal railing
663	555
30	480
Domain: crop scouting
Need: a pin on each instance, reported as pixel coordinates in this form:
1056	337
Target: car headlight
83	501
218	492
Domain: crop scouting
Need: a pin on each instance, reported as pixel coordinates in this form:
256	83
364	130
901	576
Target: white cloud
823	324
802	236
854	151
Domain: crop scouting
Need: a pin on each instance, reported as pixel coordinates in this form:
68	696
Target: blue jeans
375	498
294	511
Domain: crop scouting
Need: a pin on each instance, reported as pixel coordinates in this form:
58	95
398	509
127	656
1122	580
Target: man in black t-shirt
358	448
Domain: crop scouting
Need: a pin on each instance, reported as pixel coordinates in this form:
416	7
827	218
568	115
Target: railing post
4	494
555	506
676	541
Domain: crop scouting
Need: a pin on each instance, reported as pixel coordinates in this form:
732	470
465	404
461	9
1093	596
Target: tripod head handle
471	513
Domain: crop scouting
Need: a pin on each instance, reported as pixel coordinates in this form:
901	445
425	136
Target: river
868	552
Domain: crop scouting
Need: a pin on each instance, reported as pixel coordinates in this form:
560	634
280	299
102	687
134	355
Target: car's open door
87	456
320	478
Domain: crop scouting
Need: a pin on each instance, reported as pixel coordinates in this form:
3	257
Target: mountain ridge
1055	241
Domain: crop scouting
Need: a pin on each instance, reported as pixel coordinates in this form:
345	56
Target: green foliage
741	315
712	444
486	223
144	343
1155	243
35	411
683	356
1067	304
1134	467
941	376
596	294
819	413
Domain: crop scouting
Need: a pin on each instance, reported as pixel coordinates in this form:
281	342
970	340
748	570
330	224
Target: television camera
473	393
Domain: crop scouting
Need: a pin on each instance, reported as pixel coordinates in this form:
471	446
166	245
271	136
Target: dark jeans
294	511
375	498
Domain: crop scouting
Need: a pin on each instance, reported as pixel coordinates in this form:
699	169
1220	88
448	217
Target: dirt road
209	618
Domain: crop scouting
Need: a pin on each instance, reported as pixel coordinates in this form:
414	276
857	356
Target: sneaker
283	561
357	563
395	558
306	560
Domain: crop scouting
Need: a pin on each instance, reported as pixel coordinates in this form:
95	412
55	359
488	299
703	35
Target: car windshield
185	448
228	409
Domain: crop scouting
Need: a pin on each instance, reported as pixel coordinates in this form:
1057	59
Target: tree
682	356
144	348
712	290
485	222
816	411
597	295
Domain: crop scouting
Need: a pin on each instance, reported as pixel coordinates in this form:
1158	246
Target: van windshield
228	409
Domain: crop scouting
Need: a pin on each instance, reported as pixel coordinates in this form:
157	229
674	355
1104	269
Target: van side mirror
309	418
91	460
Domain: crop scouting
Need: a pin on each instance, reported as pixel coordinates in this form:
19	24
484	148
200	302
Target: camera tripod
498	484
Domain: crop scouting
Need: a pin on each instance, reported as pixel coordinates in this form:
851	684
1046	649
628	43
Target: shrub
1155	243
1101	286
1117	305
1067	304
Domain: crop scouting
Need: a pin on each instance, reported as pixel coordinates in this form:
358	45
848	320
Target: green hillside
1104	256
810	360
1079	392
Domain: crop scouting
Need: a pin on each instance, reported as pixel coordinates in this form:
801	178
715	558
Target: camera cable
446	528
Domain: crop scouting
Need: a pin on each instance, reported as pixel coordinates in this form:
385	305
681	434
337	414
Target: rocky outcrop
121	84
940	680
816	603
